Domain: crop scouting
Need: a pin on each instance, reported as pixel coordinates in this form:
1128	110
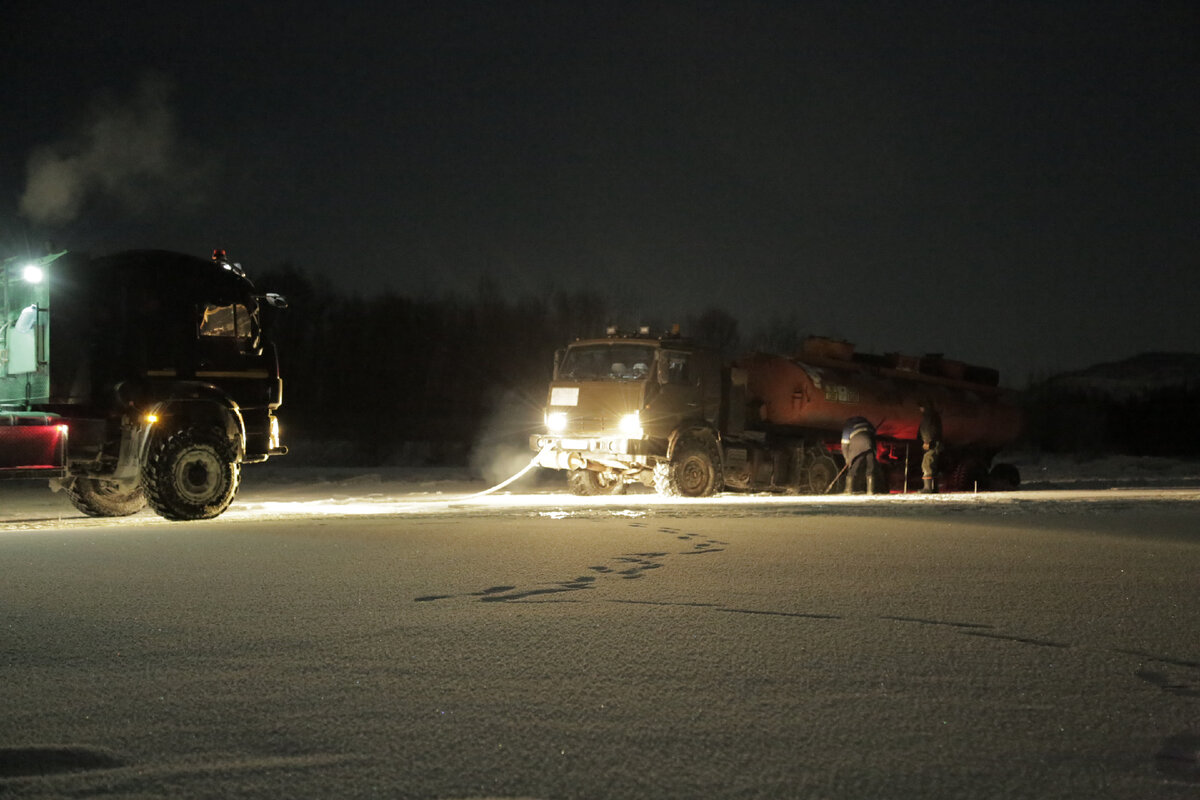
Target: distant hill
1146	373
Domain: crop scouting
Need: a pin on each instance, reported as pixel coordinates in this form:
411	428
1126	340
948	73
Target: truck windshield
607	362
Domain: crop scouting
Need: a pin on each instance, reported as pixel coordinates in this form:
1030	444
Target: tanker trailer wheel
1004	478
97	497
824	475
695	469
587	483
969	475
192	474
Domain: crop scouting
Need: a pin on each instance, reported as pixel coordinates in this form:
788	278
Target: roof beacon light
219	256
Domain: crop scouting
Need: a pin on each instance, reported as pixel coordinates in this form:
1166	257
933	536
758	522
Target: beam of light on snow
15	520
550	505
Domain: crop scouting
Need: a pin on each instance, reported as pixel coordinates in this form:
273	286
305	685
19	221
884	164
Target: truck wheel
822	472
695	469
192	474
588	483
100	498
1004	478
969	475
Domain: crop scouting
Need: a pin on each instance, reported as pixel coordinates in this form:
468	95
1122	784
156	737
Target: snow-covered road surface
364	637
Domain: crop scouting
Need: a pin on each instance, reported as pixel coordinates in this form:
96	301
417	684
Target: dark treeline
393	379
397	379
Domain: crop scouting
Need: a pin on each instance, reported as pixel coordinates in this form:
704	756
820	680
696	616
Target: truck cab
619	407
157	369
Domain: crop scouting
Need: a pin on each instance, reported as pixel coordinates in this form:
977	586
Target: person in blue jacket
858	449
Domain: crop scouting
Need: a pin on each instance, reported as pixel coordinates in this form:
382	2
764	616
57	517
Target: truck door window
676	369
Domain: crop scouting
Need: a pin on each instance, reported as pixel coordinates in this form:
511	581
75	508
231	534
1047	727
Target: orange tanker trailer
813	394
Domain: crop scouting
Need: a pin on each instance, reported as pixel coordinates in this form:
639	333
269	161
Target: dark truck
668	413
144	377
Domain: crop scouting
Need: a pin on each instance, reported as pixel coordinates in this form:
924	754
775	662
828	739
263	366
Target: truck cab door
679	397
229	348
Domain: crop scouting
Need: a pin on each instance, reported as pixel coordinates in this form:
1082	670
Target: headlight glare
556	421
631	425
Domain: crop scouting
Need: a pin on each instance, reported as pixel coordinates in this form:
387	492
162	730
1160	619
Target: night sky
1013	184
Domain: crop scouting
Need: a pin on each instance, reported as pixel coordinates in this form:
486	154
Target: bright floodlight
32	274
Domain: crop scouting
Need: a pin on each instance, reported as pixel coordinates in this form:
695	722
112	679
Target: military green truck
141	378
635	408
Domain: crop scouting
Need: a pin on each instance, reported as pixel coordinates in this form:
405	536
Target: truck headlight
556	421
631	425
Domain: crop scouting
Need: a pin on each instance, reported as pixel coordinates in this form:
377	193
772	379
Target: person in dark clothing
931	442
858	449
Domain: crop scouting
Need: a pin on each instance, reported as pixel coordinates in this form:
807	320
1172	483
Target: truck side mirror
275	300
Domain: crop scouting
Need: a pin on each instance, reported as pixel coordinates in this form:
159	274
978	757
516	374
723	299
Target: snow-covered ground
395	633
1111	472
385	635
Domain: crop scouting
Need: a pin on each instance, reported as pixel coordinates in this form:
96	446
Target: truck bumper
563	452
262	443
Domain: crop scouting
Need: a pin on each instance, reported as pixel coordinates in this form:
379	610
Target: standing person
858	449
931	442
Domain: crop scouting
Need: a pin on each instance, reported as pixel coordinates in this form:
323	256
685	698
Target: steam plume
128	152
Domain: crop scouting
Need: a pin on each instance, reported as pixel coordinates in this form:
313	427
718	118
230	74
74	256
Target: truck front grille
596	426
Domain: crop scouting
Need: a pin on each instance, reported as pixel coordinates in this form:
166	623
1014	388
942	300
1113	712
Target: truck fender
216	410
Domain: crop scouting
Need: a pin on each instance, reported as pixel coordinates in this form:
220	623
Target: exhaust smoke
127	152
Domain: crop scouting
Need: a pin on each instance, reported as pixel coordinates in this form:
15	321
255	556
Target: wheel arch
682	462
697	430
201	406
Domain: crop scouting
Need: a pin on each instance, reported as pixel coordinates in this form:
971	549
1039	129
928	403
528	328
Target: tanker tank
828	383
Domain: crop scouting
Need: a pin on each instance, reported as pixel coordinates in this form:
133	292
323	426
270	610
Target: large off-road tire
694	470
192	474
588	483
97	497
824	475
